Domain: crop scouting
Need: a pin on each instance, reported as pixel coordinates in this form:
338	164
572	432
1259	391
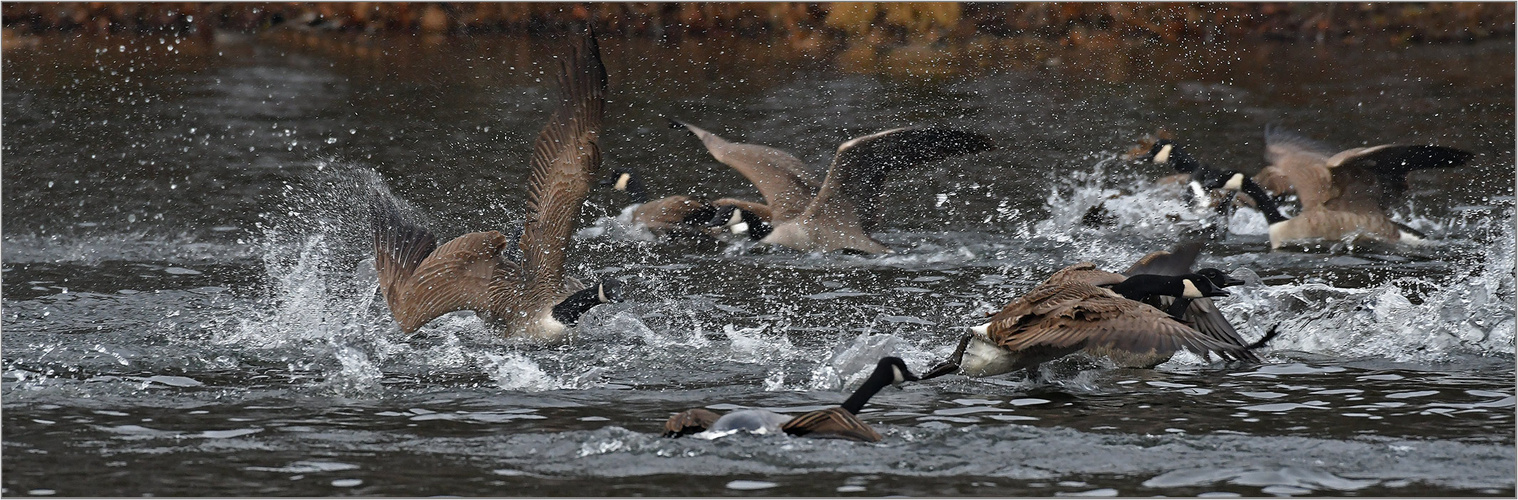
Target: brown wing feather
689	422
661	214
1373	178
786	183
852	190
399	245
756	208
1302	163
835	423
565	157
1085	272
457	276
1175	262
1073	315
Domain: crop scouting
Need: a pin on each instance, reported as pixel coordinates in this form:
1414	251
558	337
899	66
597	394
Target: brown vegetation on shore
808	23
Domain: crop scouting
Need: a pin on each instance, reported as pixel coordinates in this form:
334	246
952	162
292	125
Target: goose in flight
839	212
531	296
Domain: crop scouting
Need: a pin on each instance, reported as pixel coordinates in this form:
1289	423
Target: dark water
188	309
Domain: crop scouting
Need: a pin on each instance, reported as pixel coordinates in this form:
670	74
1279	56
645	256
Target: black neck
882	377
1183	162
569	310
635	190
757	227
1142	286
1263	200
700	216
1178	308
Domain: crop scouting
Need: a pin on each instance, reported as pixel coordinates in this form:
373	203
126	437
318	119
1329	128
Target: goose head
890	370
569	310
1190	286
1167	152
627	181
1219	278
741	222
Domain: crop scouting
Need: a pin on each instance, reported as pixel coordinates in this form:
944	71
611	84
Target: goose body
839	422
838	212
529	297
1072	312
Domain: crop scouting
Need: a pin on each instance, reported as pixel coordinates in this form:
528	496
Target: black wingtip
1270	335
676	124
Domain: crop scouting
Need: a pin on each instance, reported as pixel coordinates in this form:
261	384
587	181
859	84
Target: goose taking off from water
1200	313
839	212
1083	308
839	422
678	216
1344	195
530	297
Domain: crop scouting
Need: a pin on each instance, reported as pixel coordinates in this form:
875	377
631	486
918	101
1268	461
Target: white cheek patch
622	181
736	218
601	293
740	228
1410	238
1164	154
1191	291
1235	183
981	330
896	371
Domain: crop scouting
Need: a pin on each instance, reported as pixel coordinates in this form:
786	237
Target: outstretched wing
420	280
1203	316
835	423
756	208
399	244
786	183
852	189
1373	178
1175	262
1297	165
565	157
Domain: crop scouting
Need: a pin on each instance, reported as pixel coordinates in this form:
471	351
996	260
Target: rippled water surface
188	308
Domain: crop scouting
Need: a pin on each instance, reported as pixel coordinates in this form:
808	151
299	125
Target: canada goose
838	213
1193	174
530	297
839	422
1072	311
1343	195
675	216
1352	180
1200	313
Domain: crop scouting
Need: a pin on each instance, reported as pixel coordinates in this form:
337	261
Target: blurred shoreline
803	26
